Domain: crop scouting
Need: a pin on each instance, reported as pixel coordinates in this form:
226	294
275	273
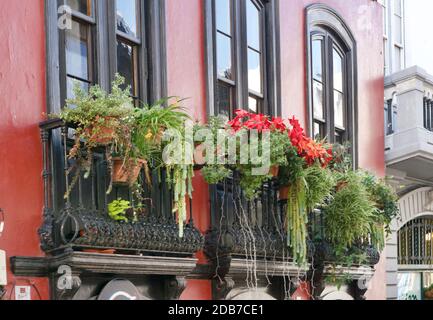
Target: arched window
331	77
415	242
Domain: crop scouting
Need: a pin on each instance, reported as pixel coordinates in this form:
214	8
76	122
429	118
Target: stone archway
413	205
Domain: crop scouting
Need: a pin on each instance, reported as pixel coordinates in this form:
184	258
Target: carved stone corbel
174	287
222	288
357	290
67	285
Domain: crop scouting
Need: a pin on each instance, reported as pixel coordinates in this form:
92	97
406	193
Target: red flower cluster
307	148
253	121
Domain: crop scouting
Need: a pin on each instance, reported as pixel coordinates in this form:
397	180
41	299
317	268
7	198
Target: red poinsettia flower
311	150
278	124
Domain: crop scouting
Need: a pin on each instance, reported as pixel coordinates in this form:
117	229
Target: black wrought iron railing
415	242
238	223
81	220
246	229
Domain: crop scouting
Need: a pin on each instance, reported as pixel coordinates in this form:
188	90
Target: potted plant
154	125
101	119
117	211
244	124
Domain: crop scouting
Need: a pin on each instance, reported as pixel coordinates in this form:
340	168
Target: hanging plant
297	220
349	214
100	119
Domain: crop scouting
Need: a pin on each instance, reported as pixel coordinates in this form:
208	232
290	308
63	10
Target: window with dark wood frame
124	36
329	87
332	83
241	56
107	37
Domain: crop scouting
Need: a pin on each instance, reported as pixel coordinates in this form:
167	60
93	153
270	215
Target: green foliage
117	210
180	177
150	123
85	107
280	144
215	173
384	197
320	183
349	214
294	170
250	182
101	119
341	158
297	220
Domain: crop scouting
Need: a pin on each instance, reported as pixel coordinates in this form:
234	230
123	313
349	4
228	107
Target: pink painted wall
364	17
22	102
186	79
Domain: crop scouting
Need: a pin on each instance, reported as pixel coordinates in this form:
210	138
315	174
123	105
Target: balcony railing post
46	230
66	164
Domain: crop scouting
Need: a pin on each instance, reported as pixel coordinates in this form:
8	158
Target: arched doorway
409	249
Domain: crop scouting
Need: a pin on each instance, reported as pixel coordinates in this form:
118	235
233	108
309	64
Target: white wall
419	42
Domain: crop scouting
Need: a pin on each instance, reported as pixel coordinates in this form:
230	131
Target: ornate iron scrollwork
93	230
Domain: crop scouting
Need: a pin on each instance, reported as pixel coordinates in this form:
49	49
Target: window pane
339	137
224	56
77	51
398	7
254	71
253	105
125	63
409	286
397	58
318	100
126	11
223	16
398	30
253	25
70	82
428	283
318	133
83	6
338	71
317	59
339	109
223	99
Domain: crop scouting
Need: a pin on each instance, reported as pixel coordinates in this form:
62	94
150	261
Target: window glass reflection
317	60
338	71
77	51
223	16
82	6
254	71
318	100
253	105
70	83
224	56
253	27
126	11
339	109
125	63
223	98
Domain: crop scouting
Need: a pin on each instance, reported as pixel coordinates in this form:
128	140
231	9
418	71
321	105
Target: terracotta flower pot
122	175
101	134
283	193
274	171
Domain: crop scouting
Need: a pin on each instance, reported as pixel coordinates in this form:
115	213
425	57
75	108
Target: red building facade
180	40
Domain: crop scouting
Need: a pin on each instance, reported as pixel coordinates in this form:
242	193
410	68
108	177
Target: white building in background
408	54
